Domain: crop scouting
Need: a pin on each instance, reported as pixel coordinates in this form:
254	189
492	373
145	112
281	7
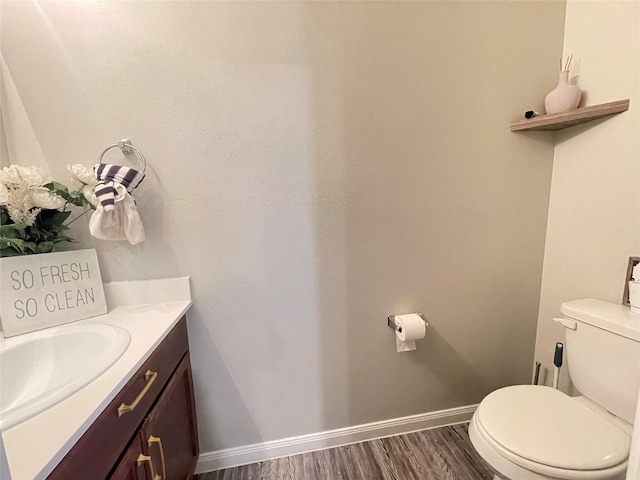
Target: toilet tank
603	354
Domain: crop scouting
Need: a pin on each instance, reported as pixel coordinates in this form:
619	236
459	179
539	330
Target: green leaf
31	246
14	244
9	252
13	230
63	238
19	244
4	216
74	198
57	187
49	219
45	247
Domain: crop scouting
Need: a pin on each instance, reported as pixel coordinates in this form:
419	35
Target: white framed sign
40	291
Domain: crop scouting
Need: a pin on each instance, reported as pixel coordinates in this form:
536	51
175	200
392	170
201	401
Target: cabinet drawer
98	450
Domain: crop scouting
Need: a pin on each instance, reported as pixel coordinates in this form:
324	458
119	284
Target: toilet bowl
529	432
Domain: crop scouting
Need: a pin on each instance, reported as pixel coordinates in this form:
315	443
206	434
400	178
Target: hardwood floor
440	454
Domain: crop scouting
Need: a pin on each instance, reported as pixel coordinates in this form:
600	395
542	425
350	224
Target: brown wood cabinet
133	466
148	432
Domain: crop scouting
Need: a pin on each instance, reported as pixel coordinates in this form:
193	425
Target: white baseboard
258	452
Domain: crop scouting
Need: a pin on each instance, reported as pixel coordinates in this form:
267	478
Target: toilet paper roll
410	327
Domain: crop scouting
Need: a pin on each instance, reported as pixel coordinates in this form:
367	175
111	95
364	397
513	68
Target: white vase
564	97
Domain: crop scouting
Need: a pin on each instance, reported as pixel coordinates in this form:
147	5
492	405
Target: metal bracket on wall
391	321
125	146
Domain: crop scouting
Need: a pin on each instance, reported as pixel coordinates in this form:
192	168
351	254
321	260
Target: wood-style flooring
440	454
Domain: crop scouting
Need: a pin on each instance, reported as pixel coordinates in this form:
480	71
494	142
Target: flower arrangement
34	209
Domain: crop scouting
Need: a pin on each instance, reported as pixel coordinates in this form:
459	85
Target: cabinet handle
157	440
150	378
145	458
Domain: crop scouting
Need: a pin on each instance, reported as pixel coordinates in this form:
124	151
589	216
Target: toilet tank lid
608	316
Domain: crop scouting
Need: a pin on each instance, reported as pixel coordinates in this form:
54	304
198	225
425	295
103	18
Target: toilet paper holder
391	322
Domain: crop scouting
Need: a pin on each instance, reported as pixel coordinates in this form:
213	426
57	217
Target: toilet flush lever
567	323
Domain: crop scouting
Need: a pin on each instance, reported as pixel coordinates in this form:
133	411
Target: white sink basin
40	369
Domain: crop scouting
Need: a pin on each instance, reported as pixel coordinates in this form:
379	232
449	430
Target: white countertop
148	310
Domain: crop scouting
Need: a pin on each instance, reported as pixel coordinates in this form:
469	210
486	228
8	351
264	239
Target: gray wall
314	167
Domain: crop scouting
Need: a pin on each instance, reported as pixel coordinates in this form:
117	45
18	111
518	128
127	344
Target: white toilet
528	432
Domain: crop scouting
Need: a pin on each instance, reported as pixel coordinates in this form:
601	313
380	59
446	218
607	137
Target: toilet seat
517	468
547	432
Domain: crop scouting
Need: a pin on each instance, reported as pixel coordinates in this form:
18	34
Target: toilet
530	432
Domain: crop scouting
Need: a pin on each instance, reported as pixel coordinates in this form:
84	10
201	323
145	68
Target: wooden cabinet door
169	435
134	465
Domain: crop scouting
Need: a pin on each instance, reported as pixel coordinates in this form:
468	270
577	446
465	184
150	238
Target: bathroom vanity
137	420
151	421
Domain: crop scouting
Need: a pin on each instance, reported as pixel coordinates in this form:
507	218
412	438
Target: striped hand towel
108	175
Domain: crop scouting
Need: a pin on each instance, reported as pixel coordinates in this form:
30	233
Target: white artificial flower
10	176
44	198
20	204
19	198
23	216
27	176
90	195
35	176
81	176
4	194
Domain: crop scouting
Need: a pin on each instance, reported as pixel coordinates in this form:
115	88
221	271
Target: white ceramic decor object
564	97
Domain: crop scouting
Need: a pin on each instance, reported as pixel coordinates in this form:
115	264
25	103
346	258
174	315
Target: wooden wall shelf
558	121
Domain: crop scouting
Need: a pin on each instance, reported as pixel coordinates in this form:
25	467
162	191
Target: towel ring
125	146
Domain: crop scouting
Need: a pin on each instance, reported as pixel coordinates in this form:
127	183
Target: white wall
314	167
594	211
